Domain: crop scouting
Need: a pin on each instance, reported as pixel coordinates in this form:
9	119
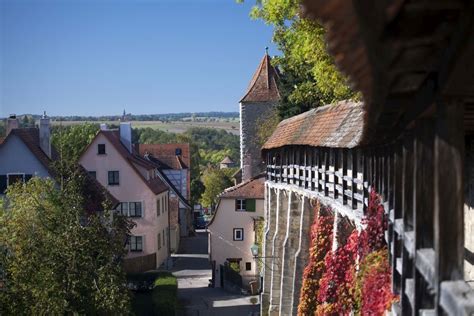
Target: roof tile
335	125
263	86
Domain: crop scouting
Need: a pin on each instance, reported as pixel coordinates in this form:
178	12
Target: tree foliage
309	76
215	181
57	258
208	147
72	140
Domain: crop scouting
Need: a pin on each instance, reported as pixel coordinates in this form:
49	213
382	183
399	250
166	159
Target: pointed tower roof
263	87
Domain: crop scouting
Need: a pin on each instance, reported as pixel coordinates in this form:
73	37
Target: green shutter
250	205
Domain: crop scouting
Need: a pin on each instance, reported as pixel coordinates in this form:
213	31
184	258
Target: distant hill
187	116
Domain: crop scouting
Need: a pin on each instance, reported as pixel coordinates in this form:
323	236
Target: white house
143	196
232	231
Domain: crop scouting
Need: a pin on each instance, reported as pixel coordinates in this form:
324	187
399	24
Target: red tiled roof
337	125
263	86
253	188
155	185
166	154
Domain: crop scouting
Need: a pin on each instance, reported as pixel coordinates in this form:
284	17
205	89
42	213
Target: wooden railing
405	175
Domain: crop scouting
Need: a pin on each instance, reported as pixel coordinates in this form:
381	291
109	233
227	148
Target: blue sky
83	57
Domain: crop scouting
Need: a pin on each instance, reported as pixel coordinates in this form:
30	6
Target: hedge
165	294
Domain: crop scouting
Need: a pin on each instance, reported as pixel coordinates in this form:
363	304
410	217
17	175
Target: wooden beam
397	187
407	215
448	193
423	204
354	176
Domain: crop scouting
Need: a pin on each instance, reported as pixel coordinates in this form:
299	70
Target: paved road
193	270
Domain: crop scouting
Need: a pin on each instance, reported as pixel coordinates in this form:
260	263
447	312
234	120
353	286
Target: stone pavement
193	270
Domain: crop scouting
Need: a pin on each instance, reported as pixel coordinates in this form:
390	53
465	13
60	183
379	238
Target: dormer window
101	149
178	151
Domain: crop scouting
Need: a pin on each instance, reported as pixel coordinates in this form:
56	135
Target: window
101	149
240	205
238	234
114	178
248	266
93	174
158	207
163	237
159	241
245	205
132	209
122	208
13	178
135	209
136	243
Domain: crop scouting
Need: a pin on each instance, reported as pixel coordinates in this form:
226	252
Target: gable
15	156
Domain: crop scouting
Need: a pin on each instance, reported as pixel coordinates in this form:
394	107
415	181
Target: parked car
200	223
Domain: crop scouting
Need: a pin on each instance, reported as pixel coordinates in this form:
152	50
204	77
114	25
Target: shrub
321	240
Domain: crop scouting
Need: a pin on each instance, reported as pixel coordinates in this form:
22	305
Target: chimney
12	123
126	135
45	135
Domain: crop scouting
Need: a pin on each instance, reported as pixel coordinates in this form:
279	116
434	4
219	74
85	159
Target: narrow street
193	270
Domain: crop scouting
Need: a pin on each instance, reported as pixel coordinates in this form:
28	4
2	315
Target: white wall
222	245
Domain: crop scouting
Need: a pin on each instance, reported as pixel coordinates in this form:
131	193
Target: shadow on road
193	270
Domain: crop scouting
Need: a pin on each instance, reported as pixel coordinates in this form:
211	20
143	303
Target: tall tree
72	140
215	181
57	257
309	76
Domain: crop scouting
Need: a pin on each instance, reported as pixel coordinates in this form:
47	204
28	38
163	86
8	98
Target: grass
162	300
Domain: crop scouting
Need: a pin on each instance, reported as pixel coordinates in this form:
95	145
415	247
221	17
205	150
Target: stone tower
259	101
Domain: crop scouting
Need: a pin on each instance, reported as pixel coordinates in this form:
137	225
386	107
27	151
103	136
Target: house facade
233	231
143	196
25	152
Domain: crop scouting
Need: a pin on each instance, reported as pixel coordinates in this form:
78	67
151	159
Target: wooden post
397	191
448	193
345	158
355	163
407	207
423	204
325	172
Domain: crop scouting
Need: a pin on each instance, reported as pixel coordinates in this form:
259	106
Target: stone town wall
251	114
289	215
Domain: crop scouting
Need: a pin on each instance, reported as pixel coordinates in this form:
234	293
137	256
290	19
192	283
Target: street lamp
254	250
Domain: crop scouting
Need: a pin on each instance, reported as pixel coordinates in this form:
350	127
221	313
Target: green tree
266	126
57	257
72	140
309	76
215	182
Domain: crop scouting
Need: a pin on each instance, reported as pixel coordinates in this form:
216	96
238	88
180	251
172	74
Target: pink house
143	196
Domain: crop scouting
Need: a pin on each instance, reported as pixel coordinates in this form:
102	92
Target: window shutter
250	205
3	183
